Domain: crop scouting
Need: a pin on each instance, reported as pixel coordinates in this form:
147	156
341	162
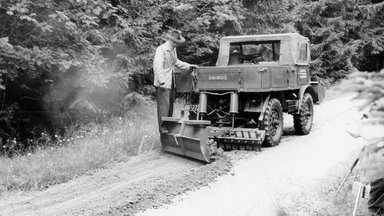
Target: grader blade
186	137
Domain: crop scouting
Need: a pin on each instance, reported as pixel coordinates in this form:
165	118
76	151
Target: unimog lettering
218	77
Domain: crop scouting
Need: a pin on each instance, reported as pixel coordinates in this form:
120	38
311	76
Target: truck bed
252	78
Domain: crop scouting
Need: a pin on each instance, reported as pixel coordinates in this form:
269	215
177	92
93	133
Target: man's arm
158	63
184	65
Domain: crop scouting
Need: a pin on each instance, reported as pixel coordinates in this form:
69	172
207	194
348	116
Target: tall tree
269	16
342	34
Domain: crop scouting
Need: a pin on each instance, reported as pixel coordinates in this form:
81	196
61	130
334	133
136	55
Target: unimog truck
239	103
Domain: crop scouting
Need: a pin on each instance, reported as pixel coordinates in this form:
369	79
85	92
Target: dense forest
64	62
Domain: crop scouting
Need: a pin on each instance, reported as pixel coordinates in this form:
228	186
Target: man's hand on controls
193	67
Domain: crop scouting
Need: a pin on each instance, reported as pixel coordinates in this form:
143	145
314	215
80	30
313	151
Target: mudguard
319	91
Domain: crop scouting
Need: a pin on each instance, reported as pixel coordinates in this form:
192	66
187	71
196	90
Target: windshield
254	52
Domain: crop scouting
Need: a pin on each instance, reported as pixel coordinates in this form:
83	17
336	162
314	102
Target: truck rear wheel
273	123
304	119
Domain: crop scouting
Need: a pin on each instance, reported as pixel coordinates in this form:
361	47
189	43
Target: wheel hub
275	123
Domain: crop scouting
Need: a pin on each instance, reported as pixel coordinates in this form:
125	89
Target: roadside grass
88	148
321	199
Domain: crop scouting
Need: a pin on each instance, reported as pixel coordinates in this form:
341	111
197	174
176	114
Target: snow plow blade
186	137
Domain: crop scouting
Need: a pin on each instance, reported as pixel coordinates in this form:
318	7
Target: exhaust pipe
203	103
234	103
234	106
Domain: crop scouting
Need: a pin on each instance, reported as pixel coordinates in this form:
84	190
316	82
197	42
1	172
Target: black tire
273	123
304	120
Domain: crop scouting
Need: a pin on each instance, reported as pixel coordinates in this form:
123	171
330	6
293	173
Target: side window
251	49
303	53
266	52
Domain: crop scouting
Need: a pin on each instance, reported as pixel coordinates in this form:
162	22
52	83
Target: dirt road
259	183
266	183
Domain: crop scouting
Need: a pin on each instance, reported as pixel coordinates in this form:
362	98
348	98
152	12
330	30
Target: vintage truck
239	103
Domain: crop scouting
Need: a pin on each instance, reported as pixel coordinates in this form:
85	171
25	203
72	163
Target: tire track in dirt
147	180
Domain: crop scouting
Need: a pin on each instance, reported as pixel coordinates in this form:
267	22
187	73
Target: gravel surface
276	180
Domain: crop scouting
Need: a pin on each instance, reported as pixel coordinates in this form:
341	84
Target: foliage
371	42
84	149
204	23
64	61
50	50
370	86
269	16
343	35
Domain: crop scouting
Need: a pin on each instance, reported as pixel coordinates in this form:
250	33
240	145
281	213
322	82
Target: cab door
303	77
302	66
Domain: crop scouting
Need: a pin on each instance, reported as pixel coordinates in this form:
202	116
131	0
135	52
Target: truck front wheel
273	123
303	120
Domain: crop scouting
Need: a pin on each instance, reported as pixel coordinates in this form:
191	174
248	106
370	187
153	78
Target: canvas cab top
268	49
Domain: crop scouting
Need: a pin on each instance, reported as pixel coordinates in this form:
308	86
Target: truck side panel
280	77
252	78
219	78
249	78
183	81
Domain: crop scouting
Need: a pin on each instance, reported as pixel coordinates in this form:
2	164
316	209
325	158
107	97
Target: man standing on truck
164	69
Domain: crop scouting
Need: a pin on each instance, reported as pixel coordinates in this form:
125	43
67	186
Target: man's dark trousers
164	98
376	197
